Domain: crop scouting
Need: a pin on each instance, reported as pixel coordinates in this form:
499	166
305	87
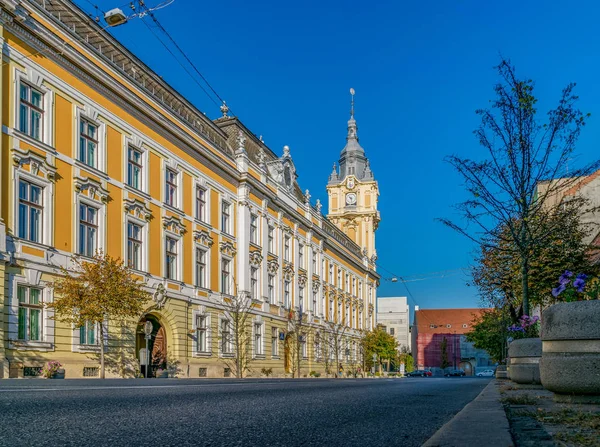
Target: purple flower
582	276
579	284
564	278
558	290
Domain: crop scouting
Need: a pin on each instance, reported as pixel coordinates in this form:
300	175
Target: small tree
299	331
490	332
444	354
379	342
238	311
97	292
526	172
335	334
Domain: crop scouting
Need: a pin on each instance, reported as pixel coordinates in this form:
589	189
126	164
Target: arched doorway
157	346
466	367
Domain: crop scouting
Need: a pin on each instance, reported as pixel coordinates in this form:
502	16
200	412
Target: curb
482	422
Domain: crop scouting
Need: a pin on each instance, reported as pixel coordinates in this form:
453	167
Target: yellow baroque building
99	153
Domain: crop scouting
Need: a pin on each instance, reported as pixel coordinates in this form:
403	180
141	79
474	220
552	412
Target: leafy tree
490	332
497	273
520	184
97	292
379	342
444	354
406	358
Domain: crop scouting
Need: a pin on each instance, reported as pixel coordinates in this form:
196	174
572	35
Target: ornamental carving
288	272
137	208
370	309
160	296
174	225
203	238
302	280
255	258
316	285
227	248
36	163
94	188
272	267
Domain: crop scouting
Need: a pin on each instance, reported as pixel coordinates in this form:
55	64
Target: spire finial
352	92
224	109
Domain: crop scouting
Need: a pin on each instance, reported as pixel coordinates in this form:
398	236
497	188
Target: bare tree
236	332
299	331
526	172
335	336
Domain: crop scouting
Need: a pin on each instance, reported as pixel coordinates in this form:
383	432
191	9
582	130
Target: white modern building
393	313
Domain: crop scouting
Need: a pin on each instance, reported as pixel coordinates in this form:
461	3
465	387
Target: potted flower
525	350
570	362
53	370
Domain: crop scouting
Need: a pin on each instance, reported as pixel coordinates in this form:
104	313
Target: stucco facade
99	153
393	313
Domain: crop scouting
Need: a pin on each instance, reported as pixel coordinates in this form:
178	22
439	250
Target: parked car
454	373
486	373
418	373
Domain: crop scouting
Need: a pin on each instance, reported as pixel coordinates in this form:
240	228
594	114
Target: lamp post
148	327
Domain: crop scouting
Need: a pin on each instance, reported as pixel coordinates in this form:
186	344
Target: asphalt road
253	412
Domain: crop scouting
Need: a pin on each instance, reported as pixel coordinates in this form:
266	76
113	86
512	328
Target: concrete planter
525	355
571	348
501	372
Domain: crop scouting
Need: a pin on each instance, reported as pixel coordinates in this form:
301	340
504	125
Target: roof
441	318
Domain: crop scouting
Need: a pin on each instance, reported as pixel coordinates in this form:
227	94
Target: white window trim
201	183
171	166
34	78
229	229
231	269
78	347
207	265
30	278
142	223
230	344
81	198
202	312
258	321
48	205
179	264
135	143
90	114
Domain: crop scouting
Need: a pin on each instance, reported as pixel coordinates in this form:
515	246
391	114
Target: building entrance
157	347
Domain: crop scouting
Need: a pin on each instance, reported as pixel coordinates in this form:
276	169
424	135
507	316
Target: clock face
351	199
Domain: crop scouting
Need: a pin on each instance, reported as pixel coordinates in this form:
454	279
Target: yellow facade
99	155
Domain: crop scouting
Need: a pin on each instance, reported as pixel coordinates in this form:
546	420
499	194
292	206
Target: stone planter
59	374
525	355
571	348
501	372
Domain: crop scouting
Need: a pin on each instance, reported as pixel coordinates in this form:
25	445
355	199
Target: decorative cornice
138	209
174	225
93	187
302	280
255	258
288	272
273	266
203	237
35	161
316	285
227	248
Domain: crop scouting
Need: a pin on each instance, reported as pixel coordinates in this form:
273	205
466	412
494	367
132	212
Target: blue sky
420	70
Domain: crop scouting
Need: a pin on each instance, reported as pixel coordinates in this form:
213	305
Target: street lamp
148	327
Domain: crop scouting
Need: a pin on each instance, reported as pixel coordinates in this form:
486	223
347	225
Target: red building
432	326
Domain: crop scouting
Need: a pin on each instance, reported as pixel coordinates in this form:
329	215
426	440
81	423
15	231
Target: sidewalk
483	422
507	414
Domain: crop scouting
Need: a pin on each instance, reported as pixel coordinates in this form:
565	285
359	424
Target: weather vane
352	109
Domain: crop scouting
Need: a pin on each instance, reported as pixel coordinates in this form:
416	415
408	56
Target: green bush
314	374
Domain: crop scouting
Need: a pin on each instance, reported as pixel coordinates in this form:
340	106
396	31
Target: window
331	310
392	331
347	282
87	334
339	278
331	273
254	229
200	204
88	229
171	188
448	326
171	258
286	248
225	274
201	345
134	246
274	342
301	297
31	111
200	267
301	256
465	326
348	322
30	211
88	143
30	313
317	346
303	342
339	312
360	319
134	168
254	283
225	217
314	301
314	263
225	337
286	294
271	239
360	290
258	344
271	288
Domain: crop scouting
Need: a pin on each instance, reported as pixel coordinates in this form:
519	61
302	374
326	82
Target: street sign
143	357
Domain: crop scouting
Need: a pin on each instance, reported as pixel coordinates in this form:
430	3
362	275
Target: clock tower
353	192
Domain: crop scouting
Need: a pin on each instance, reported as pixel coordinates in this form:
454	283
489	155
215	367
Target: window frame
28	104
131	241
139	165
171	187
200	203
225	276
258	339
254	228
254	294
173	276
226	217
28	307
28	204
200	276
271	247
83	137
271	288
274	342
85	226
286	247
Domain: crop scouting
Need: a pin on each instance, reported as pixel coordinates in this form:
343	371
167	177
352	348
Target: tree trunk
102	351
525	283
